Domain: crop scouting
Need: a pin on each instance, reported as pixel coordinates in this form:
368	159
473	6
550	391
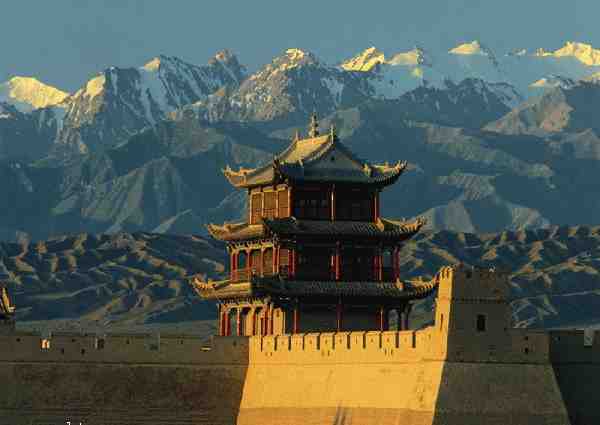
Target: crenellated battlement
121	348
403	346
464	283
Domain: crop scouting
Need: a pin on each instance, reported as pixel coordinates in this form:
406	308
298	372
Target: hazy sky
65	42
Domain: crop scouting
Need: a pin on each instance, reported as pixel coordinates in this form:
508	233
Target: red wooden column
333	202
337	261
292	262
226	322
375	205
238	318
296	318
381	318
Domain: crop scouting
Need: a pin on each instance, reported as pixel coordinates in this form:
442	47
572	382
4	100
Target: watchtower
314	254
472	314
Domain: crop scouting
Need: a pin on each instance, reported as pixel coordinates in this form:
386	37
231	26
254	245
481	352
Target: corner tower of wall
491	374
472	315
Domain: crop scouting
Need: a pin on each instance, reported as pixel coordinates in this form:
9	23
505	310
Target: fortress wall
345	347
134	348
380	378
118	394
499	394
124	383
576	361
363	393
512	346
340	378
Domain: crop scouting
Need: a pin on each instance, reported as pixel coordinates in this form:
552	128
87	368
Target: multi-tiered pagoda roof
314	240
304	160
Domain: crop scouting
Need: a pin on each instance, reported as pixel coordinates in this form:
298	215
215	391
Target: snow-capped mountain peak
416	56
120	101
364	61
472	48
27	94
583	52
553	81
294	58
152	65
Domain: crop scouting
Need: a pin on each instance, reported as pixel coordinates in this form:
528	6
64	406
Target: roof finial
297	135
332	133
313	129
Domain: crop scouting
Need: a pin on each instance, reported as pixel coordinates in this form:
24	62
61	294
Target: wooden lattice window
268	261
283	202
270	206
255	208
255	261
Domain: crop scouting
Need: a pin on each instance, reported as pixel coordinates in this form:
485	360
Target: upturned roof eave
258	287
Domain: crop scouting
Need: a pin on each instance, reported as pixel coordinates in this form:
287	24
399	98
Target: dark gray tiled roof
299	160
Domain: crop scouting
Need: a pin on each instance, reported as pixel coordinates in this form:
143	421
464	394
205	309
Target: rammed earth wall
129	381
393	378
345	378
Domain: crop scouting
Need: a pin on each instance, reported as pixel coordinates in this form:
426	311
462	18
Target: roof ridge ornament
313	128
332	133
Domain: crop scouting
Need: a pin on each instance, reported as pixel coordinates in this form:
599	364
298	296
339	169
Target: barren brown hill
140	279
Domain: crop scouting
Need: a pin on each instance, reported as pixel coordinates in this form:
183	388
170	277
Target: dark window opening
354	206
100	344
481	323
312	205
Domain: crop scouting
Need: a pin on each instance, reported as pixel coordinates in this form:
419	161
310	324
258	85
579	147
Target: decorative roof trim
263	286
6	307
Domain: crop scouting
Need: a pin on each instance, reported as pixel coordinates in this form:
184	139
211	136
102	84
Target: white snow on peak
93	87
553	81
153	65
364	61
371	57
472	48
26	94
584	53
296	55
416	56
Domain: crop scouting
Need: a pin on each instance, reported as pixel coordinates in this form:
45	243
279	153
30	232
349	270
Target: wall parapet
122	348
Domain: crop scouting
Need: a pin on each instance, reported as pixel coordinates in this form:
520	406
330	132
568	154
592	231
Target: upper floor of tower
316	178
